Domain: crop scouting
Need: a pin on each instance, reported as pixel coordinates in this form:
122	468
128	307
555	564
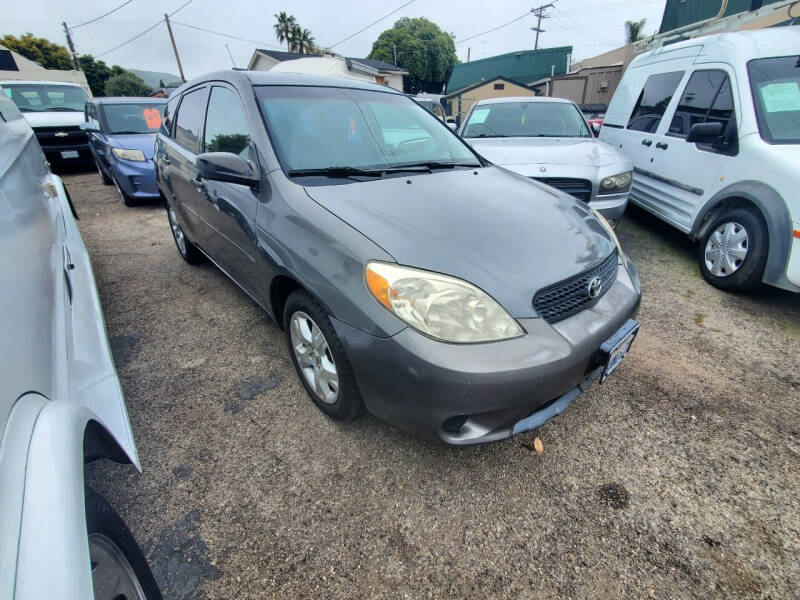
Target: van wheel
319	358
187	249
119	569
733	251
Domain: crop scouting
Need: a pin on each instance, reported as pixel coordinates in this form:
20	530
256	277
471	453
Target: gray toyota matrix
448	296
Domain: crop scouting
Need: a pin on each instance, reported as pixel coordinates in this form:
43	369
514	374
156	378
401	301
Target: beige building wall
484	92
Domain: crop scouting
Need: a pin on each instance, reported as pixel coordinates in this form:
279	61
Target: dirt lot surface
677	478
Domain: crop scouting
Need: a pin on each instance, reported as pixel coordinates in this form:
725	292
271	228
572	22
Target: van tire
748	274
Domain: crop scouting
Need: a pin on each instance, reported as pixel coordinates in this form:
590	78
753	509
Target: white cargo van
712	126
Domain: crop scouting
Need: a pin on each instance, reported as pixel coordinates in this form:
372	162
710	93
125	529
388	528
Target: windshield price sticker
781	97
479	116
152	117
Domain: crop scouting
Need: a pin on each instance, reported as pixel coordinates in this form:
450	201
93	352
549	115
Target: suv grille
579	188
51	137
564	299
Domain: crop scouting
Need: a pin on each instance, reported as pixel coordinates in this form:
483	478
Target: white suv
712	125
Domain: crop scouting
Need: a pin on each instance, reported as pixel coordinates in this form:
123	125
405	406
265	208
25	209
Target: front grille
579	188
568	297
52	138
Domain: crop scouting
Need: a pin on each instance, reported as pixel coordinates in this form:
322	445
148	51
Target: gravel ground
677	478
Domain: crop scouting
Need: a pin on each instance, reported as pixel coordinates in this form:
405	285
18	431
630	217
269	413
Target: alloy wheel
177	232
314	357
113	577
726	249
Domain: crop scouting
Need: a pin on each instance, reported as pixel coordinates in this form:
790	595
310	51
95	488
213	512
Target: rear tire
320	361
119	568
733	251
190	253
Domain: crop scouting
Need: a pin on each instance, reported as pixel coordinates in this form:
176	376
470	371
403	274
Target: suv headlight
442	307
616	183
124	154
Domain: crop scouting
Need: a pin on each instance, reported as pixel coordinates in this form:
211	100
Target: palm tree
284	27
304	41
634	31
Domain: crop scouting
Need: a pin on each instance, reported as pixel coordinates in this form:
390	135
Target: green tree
634	31
41	50
97	73
423	49
301	40
283	28
126	84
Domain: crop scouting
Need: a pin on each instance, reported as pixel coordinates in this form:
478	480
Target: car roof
529	99
128	100
295	79
37	82
734	47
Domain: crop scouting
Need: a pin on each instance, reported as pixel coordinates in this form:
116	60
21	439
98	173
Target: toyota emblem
595	287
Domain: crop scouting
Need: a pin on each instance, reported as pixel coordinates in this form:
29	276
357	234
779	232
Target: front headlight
440	306
124	154
616	183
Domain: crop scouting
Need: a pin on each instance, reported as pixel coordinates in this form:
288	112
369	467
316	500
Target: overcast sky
590	26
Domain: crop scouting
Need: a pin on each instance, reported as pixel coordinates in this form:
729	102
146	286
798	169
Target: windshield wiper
61	109
482	135
355	171
129	132
434	164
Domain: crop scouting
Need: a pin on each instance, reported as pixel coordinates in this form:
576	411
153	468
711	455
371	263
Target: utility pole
394	47
71	47
468	52
540	14
174	47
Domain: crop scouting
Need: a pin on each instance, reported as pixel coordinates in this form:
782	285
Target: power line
227	35
371	24
181	7
472	37
103	15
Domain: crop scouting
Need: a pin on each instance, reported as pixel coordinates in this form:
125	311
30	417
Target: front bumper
611	206
137	179
425	386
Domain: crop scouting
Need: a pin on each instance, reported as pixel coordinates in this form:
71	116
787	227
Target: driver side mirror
596	129
452	126
705	133
226	166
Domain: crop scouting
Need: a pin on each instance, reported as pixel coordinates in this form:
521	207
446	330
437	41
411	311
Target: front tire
733	251
190	253
319	358
103	177
119	568
126	200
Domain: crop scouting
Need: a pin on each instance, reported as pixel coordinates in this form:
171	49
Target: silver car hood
506	234
587	152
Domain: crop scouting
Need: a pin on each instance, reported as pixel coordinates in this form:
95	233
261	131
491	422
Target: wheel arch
279	290
772	208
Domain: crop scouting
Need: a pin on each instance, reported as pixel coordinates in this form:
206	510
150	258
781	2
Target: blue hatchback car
121	135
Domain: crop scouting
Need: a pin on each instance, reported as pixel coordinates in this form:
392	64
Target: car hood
583	152
508	235
54	118
134	141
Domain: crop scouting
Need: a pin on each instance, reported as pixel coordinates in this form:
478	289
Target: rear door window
190	120
653	101
169	116
706	98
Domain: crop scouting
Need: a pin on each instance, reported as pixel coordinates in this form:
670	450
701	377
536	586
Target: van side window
169	113
707	97
189	121
653	101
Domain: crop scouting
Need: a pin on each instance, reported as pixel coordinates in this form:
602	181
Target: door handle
662	146
647	142
199	185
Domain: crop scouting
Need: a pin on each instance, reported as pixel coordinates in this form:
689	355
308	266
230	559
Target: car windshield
40	97
775	83
133	118
526	119
317	128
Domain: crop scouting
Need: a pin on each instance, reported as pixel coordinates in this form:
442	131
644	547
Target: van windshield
335	129
775	84
526	119
41	97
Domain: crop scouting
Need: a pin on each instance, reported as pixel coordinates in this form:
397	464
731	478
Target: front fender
776	214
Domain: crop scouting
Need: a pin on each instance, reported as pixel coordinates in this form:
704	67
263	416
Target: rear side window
169	114
707	97
226	126
653	101
190	119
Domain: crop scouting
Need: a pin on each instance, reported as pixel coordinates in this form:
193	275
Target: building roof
378	65
461	91
679	13
519	67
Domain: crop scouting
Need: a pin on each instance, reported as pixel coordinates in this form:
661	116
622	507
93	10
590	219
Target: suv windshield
775	83
133	118
526	119
41	97
319	128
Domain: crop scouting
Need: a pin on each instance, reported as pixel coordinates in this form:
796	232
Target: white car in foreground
548	139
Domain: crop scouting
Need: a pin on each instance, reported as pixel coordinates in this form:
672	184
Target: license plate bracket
617	346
